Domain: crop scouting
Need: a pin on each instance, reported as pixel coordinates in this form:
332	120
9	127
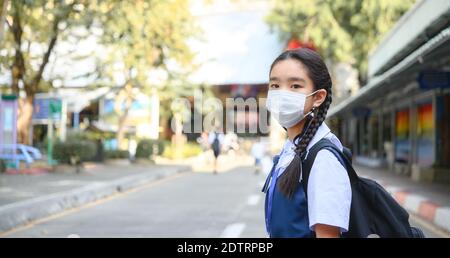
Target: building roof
422	22
380	85
423	30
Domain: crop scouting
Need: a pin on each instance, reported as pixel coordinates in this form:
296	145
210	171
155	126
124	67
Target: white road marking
253	200
65	183
233	230
7	189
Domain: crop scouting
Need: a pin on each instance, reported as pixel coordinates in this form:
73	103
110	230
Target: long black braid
318	73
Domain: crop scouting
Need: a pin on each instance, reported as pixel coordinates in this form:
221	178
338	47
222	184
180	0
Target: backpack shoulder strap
311	156
276	158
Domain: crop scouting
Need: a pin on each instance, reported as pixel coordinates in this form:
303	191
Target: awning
376	85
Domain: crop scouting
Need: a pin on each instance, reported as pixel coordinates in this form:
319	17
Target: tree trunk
3	5
24	119
124	116
18	69
121	127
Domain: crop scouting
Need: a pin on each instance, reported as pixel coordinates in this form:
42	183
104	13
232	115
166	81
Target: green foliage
146	147
137	37
79	136
72	136
97	135
78	147
187	150
38	25
116	154
145	37
342	30
74	151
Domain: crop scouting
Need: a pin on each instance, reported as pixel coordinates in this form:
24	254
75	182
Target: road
191	205
195	205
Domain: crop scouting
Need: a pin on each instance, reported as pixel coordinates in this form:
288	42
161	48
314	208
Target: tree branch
3	7
9	24
38	76
18	66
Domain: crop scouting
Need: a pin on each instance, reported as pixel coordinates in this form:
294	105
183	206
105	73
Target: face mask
286	106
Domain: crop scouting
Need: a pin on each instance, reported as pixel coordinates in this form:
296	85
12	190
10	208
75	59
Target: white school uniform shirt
212	136
257	150
329	190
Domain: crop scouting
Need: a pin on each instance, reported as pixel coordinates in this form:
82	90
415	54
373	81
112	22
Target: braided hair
319	75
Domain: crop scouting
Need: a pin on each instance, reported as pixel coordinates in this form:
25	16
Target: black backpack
373	212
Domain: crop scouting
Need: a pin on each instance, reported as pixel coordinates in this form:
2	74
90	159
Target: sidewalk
429	201
24	198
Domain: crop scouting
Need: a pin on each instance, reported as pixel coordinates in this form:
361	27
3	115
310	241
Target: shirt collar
322	131
288	153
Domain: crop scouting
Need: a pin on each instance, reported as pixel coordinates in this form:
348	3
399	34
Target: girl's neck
295	130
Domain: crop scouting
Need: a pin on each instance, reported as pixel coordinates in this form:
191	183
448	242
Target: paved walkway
24	198
429	201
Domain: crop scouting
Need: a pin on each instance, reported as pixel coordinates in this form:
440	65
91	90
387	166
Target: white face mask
287	106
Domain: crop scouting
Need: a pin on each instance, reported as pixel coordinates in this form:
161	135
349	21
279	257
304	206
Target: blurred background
94	143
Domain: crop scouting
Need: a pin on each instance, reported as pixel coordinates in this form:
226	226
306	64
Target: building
401	118
236	53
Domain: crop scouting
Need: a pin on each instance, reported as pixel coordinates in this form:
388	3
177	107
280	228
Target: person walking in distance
216	141
257	152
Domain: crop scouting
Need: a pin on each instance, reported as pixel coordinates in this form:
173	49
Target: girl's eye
296	86
274	86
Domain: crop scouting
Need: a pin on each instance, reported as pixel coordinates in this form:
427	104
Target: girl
299	97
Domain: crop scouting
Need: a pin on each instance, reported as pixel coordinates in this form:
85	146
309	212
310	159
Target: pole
50	142
76	120
63	120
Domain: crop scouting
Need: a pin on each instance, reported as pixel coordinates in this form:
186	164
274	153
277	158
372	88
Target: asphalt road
187	205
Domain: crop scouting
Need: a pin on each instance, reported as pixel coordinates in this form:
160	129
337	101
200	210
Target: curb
421	207
20	213
28	171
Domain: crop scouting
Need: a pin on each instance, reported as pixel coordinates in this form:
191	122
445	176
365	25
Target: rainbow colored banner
402	142
402	124
425	132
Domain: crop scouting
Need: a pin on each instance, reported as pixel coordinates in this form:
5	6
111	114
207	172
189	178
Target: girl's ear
319	97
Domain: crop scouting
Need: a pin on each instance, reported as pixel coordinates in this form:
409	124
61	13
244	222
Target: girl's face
291	75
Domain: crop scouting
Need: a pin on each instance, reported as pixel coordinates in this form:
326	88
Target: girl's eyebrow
296	79
273	79
291	79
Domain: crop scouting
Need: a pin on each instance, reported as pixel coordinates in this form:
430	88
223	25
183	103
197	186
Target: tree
33	30
3	5
147	36
137	35
341	30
